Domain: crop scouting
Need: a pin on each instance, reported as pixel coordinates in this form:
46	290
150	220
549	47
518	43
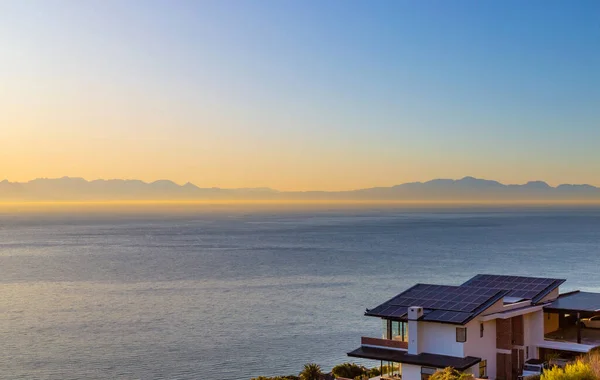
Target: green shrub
573	371
349	370
374	372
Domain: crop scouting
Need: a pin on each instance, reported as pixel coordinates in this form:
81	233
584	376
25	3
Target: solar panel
447	316
523	287
456	298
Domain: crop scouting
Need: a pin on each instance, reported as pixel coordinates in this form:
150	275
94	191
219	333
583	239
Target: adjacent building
489	327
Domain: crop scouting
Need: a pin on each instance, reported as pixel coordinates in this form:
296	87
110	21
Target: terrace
562	321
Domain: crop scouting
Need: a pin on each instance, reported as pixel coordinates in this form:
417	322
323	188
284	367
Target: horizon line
300	191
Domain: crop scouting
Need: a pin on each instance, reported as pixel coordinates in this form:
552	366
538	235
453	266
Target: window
461	334
481	330
426	372
396	330
387	329
483	369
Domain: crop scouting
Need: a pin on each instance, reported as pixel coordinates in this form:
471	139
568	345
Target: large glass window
399	331
396	330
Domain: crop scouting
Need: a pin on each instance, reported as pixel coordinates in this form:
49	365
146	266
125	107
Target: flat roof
422	359
585	302
566	346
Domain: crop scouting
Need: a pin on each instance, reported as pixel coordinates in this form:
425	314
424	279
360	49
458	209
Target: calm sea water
232	295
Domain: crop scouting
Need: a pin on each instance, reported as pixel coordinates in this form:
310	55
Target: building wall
411	372
482	347
550	322
440	338
534	333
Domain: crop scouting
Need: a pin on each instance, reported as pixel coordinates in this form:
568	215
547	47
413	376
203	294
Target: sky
299	95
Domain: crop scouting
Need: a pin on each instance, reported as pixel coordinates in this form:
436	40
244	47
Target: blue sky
301	94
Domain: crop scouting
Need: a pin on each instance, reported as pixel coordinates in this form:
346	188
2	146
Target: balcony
589	337
385	343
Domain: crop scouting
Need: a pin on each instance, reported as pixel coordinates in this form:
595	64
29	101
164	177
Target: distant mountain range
465	189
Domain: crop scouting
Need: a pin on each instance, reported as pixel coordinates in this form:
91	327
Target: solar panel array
521	287
456	298
442	303
457	304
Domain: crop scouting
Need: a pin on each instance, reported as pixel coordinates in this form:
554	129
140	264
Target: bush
373	372
450	373
593	360
573	371
289	377
349	370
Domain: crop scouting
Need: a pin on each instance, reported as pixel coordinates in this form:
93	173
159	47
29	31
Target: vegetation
593	361
585	368
349	370
311	371
450	373
578	370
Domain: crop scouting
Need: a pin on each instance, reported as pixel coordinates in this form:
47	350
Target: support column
578	327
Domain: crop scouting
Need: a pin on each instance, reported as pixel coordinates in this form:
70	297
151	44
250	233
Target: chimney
414	313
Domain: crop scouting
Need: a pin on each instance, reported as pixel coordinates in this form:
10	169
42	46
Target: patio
569	334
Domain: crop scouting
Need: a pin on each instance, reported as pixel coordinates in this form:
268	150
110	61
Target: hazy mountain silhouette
465	189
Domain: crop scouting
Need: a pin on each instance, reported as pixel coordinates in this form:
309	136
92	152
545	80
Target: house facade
489	327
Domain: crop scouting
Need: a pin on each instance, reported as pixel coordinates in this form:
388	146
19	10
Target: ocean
236	294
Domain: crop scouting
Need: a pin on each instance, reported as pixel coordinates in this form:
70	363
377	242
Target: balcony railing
387	343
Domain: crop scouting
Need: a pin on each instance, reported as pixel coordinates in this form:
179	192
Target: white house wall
482	347
439	338
411	372
534	333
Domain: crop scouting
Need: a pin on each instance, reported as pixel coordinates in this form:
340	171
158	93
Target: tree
311	371
450	373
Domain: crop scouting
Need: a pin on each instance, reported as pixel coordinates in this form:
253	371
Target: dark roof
576	302
422	359
441	303
531	288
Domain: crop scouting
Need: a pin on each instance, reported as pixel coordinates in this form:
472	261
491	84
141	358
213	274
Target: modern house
489	327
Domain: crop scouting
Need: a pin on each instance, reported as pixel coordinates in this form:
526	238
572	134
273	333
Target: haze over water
236	294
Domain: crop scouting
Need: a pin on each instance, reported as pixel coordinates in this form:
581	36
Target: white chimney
414	313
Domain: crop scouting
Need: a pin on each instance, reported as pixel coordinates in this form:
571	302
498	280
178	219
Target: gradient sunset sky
300	94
